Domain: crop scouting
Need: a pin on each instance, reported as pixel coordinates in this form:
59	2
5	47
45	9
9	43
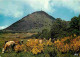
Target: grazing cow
8	44
11	44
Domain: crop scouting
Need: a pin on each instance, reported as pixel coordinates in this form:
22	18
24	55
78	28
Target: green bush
44	34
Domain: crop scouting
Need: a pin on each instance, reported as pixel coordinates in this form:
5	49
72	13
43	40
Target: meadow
18	37
63	47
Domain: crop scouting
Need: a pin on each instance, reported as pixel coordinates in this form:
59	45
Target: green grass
21	54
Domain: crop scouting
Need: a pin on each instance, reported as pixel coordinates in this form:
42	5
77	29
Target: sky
13	10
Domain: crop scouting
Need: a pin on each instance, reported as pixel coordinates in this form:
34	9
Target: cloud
73	5
3	27
39	4
15	8
8	8
18	8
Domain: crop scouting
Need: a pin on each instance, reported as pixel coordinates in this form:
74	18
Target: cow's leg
13	47
3	50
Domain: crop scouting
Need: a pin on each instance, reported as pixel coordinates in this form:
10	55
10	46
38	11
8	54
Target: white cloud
74	5
39	4
3	27
9	8
15	8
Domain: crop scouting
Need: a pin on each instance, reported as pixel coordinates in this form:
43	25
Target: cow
11	44
8	44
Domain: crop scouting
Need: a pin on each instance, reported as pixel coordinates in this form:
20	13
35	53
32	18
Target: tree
79	23
75	25
59	28
45	34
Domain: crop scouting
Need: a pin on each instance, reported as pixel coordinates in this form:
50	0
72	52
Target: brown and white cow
11	44
8	44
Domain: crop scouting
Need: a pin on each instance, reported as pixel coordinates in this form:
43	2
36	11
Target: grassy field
17	36
14	36
10	36
49	51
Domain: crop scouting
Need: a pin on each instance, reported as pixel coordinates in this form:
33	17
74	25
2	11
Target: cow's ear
6	42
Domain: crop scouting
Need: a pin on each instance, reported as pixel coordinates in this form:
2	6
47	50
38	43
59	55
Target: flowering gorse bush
67	44
37	45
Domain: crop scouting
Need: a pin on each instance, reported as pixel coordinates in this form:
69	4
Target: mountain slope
34	22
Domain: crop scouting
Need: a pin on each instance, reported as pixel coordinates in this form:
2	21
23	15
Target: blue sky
13	10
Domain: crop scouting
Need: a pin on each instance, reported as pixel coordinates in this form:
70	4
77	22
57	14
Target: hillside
34	22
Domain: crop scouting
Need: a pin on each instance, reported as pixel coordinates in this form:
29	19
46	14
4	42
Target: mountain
34	22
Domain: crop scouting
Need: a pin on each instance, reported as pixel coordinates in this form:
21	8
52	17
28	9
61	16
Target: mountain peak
35	22
43	12
39	12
